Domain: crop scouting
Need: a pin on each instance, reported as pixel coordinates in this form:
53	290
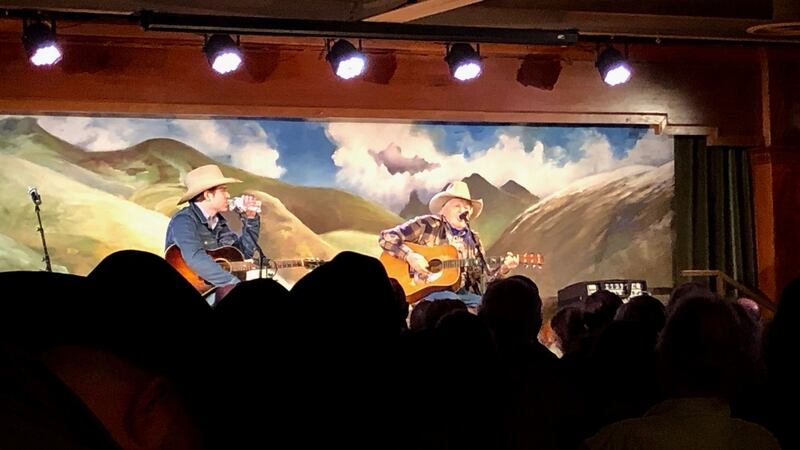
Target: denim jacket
189	229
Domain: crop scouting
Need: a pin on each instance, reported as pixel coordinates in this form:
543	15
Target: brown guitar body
224	256
232	260
415	287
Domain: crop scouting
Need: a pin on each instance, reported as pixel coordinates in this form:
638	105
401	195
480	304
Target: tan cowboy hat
203	178
459	189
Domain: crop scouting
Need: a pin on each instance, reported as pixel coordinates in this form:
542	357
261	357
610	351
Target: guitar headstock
535	260
527	260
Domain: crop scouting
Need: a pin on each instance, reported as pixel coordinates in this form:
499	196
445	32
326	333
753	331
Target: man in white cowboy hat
200	226
451	209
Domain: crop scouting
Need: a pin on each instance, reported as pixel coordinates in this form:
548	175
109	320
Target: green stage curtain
713	205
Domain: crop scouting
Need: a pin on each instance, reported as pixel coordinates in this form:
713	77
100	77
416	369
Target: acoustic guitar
232	260
445	267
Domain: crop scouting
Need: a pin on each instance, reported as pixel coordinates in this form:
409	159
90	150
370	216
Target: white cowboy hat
458	189
203	178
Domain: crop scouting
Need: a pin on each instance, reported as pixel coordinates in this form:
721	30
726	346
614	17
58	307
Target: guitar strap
468	281
441	231
484	265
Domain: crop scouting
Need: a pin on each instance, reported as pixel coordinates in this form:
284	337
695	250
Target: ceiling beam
419	10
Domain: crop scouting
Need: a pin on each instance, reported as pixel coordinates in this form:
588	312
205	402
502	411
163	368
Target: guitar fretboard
244	266
286	263
468	262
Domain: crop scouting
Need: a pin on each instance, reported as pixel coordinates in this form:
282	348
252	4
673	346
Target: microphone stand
481	256
40	229
261	255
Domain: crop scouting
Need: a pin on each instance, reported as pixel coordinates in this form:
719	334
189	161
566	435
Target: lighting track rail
360	30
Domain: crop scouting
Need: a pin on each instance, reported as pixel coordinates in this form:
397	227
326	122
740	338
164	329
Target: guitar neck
461	263
467	262
244	266
286	263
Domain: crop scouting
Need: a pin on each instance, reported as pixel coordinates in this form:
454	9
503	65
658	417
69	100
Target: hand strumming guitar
418	263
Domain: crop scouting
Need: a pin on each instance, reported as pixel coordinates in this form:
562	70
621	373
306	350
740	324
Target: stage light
464	61
223	53
39	40
347	62
613	67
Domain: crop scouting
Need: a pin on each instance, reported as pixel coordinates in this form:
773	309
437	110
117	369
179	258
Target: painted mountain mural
99	202
415	207
610	225
595	201
501	205
515	189
499	208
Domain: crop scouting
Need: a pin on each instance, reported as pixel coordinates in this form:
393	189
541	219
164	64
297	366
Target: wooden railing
722	279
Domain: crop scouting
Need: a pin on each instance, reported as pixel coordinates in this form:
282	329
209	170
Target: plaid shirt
432	230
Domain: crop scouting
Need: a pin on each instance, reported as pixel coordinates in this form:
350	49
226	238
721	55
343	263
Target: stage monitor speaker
578	292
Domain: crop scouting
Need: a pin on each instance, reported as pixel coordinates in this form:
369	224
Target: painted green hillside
149	174
82	224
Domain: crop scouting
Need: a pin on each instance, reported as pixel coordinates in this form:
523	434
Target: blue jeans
471	299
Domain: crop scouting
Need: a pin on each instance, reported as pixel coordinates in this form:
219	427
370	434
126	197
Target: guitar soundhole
435	265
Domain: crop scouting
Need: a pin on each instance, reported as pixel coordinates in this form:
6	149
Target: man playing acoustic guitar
200	226
452	209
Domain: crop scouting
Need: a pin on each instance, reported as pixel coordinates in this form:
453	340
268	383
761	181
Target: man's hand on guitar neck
418	263
510	262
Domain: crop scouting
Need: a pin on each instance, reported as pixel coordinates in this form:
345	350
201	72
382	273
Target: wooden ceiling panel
305	9
419	10
749	9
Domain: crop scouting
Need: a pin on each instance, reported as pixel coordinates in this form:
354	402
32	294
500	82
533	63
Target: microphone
34	193
464	215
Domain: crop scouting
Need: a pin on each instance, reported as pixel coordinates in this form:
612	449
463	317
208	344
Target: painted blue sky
306	149
385	161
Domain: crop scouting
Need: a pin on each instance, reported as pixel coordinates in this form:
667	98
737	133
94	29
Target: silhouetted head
370	306
513	309
128	340
700	350
569	328
645	310
599	309
686	290
159	321
44	308
782	338
427	313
